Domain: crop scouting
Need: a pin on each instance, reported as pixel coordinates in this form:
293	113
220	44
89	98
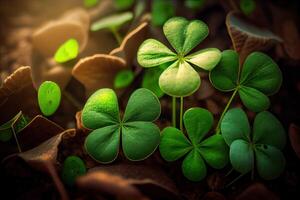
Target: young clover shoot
67	51
180	79
194	4
254	82
123	79
123	4
113	23
196	150
261	149
73	167
90	3
49	96
247	6
135	131
161	11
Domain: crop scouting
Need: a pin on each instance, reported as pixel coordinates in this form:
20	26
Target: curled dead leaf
291	39
294	135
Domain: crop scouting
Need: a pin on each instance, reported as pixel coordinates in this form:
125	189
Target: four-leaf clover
174	145
180	78
140	137
258	78
261	148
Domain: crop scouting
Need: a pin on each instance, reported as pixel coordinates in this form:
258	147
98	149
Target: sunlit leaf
67	51
123	79
112	22
49	96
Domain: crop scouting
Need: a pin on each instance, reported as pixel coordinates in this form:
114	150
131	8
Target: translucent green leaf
184	35
101	109
49	96
173	144
153	53
73	167
179	80
161	11
253	99
197	122
123	4
194	4
215	151
193	166
139	139
247	6
224	76
112	22
103	144
123	79
262	73
270	161
267	129
206	58
241	156
235	126
67	51
150	80
142	105
90	3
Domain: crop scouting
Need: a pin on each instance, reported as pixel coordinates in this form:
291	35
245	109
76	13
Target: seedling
212	150
255	81
140	137
123	4
180	78
67	51
113	23
161	11
123	79
73	167
194	4
90	3
49	97
247	6
262	148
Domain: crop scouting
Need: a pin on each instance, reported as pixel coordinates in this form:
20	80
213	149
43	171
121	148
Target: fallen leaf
294	134
291	39
257	191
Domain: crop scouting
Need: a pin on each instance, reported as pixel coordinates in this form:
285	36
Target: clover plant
180	78
195	149
49	96
161	11
123	4
113	23
194	4
247	6
67	51
123	79
90	3
73	167
260	149
135	130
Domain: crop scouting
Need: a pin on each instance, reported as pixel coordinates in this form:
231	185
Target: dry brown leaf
98	71
247	37
291	39
294	134
257	191
74	24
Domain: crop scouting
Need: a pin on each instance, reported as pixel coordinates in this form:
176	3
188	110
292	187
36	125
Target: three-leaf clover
138	134
49	96
255	81
179	79
174	145
261	148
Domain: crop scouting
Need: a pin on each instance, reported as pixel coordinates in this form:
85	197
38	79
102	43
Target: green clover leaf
180	78
161	11
73	167
261	148
259	77
49	96
212	150
123	78
140	137
67	51
151	78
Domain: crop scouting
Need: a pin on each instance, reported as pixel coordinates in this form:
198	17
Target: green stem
228	173
181	113
174	112
225	110
117	35
15	136
236	179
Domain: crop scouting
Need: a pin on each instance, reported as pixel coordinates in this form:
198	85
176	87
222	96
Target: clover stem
225	110
181	113
117	35
15	136
228	173
174	111
234	180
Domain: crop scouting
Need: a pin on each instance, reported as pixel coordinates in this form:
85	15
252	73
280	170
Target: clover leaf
123	78
247	6
261	148
123	4
197	150
90	3
161	11
194	4
138	135
72	168
259	77
67	51
49	96
179	79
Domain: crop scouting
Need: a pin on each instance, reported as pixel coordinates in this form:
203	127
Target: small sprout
73	167
260	77
194	4
90	3
67	51
49	96
247	6
162	11
180	78
151	78
262	148
196	150
123	4
123	79
136	133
